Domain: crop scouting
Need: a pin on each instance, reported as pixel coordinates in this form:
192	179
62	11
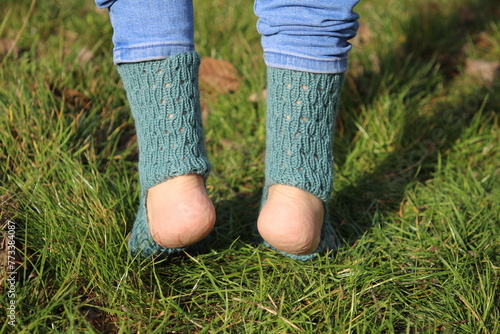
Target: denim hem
305	64
147	52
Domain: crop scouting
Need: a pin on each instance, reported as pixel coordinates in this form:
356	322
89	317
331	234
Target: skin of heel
164	99
301	111
141	242
329	241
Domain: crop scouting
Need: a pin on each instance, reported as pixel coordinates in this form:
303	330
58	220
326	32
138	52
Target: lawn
417	181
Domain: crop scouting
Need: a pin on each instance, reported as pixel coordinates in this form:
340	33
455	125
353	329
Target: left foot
179	211
291	220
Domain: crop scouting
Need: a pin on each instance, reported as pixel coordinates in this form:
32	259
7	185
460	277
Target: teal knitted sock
164	98
301	110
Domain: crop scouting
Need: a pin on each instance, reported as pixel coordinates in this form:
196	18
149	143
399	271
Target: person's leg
305	49
149	29
154	53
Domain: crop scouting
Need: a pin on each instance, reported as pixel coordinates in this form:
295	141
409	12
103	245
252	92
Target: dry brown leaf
85	55
6	44
234	145
482	69
218	76
74	98
483	40
77	99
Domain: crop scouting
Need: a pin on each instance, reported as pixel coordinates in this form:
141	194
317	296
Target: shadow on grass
431	37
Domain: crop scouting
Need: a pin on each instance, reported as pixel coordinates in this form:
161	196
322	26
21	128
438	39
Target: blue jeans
304	35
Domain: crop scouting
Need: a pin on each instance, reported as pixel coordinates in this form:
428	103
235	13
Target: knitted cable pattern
301	111
164	99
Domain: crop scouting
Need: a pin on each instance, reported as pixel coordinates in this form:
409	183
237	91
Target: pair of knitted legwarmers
164	98
301	110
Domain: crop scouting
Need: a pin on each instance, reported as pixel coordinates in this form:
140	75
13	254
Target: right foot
179	211
291	220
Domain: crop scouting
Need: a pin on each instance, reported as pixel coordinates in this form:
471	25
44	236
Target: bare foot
291	220
179	211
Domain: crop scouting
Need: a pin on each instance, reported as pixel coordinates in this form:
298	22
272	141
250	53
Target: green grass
416	198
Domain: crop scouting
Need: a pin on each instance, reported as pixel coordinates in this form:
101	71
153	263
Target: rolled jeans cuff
305	64
150	51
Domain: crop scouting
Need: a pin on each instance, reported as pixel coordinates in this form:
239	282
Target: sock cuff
172	71
300	121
